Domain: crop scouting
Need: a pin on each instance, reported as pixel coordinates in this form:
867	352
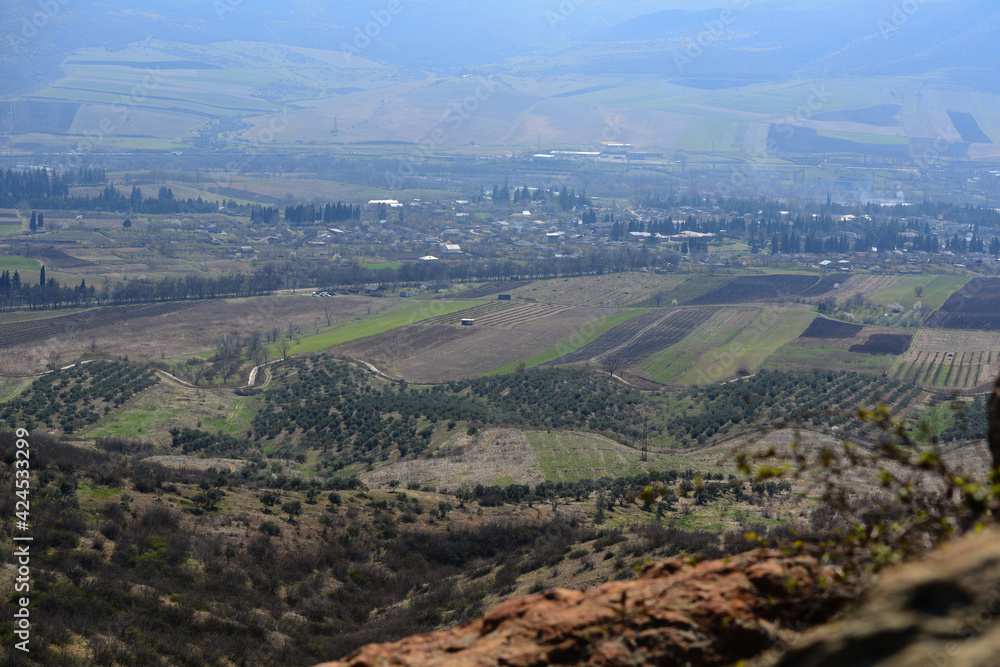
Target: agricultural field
951	360
883	343
692	288
636	339
975	306
823	327
605	291
668	366
177	334
862	286
749	289
750	348
934	291
35	330
428	352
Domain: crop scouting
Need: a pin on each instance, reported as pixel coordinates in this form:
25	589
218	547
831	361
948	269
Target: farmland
17	333
174	335
748	289
975	306
605	291
823	327
934	291
951	360
670	365
641	336
429	352
881	343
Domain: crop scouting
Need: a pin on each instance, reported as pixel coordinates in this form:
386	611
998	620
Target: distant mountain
769	40
953	41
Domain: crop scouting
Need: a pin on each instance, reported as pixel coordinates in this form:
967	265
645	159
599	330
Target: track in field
640	337
492	289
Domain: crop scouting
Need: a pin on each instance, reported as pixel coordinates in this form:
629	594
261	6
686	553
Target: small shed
503	297
468	322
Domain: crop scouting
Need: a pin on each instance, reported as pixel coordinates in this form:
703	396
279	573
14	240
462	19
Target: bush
270	528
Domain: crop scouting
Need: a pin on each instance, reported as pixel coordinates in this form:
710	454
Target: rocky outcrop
943	611
713	613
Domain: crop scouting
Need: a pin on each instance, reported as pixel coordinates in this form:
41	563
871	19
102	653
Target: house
451	249
406	295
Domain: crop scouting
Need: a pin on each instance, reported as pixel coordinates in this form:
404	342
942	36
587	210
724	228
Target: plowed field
641	336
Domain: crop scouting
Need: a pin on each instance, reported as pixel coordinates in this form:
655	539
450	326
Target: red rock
714	613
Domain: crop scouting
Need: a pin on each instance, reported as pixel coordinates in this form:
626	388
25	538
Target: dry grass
188	332
494	456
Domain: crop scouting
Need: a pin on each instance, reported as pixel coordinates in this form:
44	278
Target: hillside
597	74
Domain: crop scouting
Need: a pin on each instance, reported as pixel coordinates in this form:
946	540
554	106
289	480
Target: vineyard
640	337
748	289
822	327
473	313
816	398
75	397
951	360
18	333
975	306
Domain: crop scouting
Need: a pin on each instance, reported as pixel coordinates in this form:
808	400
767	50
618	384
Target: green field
810	354
27	268
398	315
750	348
157	410
936	290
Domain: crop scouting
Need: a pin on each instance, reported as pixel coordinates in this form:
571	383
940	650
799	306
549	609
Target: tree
292	508
268	500
41	276
33	225
283	347
610	364
41	220
918	291
393	483
127	224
